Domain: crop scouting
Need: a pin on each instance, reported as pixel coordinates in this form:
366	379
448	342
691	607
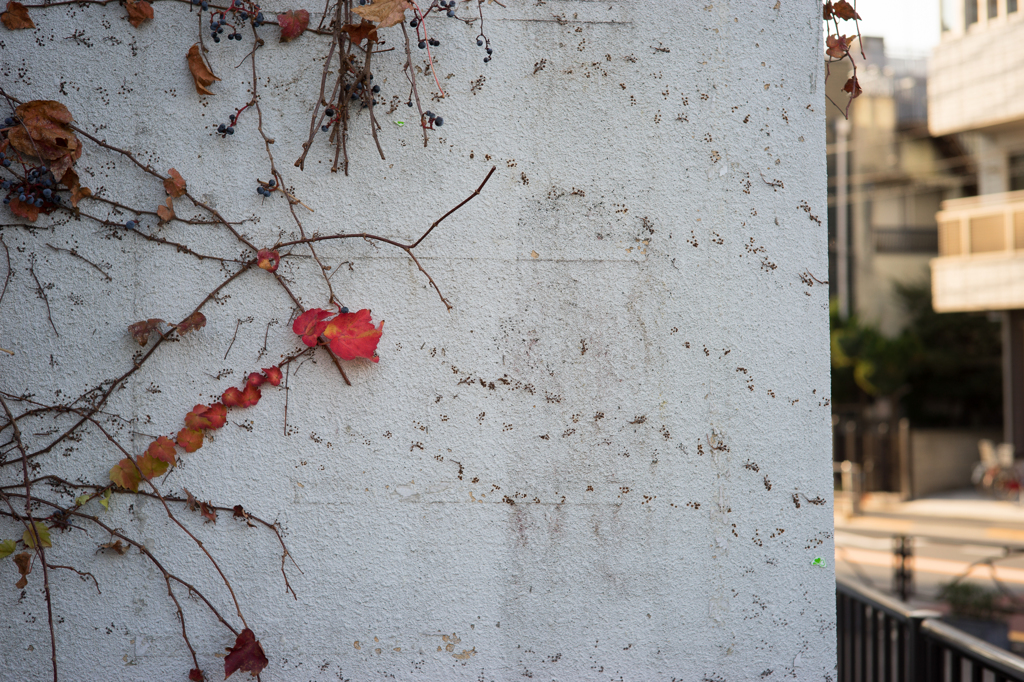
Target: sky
910	27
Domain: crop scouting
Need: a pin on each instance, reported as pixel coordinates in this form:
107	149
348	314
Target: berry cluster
430	120
37	189
239	10
264	189
229	128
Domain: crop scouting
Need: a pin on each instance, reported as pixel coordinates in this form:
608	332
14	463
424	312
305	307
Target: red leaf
165	212
191	503
352	335
268	260
174	185
202	77
162	449
207	511
139	11
151	467
247	655
125	475
190	439
16	17
845	10
364	30
293	23
310	325
273	375
24	563
196	675
191	323
140	331
22	209
853	87
255	380
245	398
203	417
837	46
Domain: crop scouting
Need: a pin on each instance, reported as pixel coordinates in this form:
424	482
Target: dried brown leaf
384	13
165	212
24	563
201	73
16	17
139	11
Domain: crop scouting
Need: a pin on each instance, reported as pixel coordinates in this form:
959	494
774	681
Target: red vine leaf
44	133
255	380
837	46
247	655
268	260
207	511
203	417
384	12
853	87
246	398
152	467
310	325
240	513
357	33
24	563
140	331
139	11
352	335
16	17
71	181
190	439
117	546
293	23
165	212
196	675
125	475
174	185
23	209
191	502
201	74
162	449
273	375
845	10
191	323
44	536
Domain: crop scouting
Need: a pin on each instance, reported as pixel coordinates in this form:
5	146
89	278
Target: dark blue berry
130	224
47	193
230	130
205	5
376	88
7	200
6	184
39	203
451	13
9	121
7	163
221	128
414	23
490	51
439	121
409	103
22	197
486	59
329	112
325	128
344	309
423	44
273	182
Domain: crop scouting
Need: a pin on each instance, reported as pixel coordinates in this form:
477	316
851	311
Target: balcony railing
883	640
986	224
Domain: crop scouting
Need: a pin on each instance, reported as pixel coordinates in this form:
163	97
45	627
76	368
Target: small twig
42	295
7	277
74	252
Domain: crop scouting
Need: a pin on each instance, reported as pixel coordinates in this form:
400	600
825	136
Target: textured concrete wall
610	461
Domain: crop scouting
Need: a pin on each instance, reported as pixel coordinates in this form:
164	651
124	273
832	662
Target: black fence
882	639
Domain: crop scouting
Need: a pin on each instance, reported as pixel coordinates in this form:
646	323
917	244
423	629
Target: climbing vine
41	143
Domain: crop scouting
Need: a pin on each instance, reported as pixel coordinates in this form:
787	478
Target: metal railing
986	224
881	639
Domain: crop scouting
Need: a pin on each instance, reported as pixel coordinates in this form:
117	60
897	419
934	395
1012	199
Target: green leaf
105	500
82	499
44	536
6	548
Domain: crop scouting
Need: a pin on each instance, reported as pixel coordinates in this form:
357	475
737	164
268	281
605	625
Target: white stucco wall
632	505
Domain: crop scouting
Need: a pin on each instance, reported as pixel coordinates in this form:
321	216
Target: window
1011	6
993	9
1016	172
947	14
970	12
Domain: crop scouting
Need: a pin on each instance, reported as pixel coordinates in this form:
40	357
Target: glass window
1011	6
993	9
970	12
1016	172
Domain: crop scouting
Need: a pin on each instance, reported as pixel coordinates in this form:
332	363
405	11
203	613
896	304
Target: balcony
976	78
981	254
